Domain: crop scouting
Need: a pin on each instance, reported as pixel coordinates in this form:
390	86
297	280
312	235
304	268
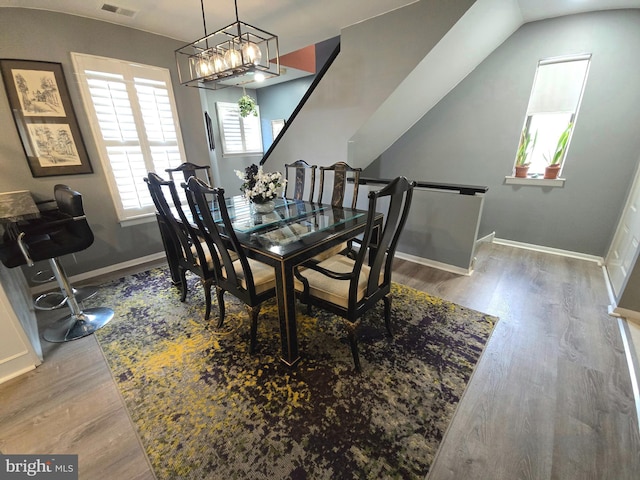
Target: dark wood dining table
292	233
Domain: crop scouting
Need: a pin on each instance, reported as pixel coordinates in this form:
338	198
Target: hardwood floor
550	399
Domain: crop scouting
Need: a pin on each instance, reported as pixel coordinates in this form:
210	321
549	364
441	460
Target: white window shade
558	86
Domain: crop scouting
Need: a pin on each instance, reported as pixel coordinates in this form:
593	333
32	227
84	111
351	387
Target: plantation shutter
240	136
135	124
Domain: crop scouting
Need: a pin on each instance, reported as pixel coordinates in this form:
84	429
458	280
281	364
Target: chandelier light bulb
203	66
218	63
251	53
233	58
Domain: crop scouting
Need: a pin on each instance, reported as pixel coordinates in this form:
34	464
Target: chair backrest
340	173
181	232
189	169
379	247
69	203
202	198
296	189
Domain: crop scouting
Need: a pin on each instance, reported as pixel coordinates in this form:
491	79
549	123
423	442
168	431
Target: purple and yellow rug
206	409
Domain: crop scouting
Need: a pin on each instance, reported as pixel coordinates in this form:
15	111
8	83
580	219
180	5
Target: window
553	108
240	136
134	121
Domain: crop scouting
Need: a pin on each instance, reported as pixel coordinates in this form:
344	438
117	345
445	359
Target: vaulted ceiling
297	23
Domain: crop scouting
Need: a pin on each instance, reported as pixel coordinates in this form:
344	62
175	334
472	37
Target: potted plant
525	147
555	161
247	105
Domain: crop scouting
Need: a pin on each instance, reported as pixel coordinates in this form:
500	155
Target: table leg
287	312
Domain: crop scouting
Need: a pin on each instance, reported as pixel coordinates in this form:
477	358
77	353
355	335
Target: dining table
294	232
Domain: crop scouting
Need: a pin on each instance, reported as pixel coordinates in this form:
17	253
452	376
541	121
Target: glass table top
290	221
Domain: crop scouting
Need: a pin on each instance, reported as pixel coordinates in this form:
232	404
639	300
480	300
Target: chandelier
229	56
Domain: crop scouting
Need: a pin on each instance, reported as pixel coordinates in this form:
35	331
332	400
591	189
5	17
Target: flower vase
264	207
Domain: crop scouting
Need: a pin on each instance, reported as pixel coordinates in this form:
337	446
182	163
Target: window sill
541	182
145	218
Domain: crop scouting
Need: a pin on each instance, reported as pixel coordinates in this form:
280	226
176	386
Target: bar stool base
77	326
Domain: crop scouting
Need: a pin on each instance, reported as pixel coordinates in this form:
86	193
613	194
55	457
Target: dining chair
189	169
193	253
338	176
248	280
350	287
299	170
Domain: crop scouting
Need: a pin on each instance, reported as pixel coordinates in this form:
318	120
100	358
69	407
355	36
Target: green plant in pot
554	161
525	147
247	106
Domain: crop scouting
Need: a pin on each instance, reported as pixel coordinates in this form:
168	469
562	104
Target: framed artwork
207	120
47	125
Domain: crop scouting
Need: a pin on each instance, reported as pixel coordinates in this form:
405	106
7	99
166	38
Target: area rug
205	408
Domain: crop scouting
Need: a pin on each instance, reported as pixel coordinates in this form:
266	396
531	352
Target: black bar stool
60	232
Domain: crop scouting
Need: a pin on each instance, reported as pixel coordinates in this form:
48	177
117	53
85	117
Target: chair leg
387	313
253	314
353	342
80	323
220	296
207	284
183	284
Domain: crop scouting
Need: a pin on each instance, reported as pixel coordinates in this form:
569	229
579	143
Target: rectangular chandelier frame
229	56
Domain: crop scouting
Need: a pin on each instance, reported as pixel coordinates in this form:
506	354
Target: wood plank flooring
550	399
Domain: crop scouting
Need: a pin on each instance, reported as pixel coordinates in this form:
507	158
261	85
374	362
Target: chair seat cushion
207	253
329	289
264	277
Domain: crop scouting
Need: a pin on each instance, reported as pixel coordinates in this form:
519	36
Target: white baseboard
629	354
487	238
155	257
630	315
432	263
491	238
5	377
553	251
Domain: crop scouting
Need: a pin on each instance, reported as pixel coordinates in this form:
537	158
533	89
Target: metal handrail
461	189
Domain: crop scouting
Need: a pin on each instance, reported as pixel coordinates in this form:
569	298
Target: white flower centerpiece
260	187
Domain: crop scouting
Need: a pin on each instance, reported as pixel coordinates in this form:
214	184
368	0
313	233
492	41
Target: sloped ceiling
297	23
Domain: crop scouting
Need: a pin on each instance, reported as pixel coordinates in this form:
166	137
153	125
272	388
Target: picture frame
207	120
41	106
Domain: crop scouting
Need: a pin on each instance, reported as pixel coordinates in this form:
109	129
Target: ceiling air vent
118	10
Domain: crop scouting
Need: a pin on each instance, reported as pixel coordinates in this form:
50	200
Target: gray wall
375	57
275	102
278	102
471	136
47	36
